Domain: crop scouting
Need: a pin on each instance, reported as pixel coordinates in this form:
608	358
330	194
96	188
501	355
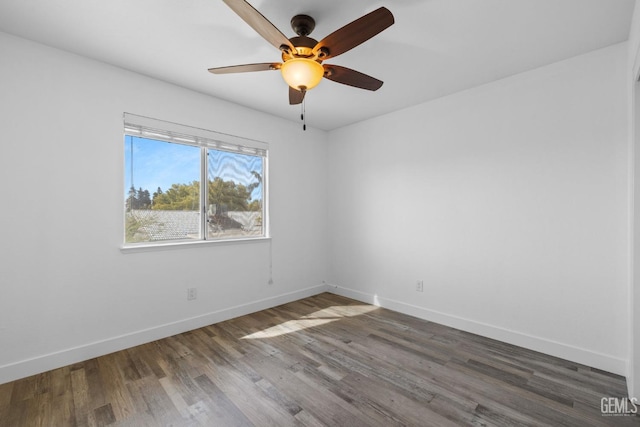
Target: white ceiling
435	47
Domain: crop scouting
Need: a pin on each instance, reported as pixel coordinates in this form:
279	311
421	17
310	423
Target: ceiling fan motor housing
303	48
303	25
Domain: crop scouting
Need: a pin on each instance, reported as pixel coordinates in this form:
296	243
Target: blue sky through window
161	164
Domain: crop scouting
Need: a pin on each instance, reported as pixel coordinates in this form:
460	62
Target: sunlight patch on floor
287	327
318	318
341	311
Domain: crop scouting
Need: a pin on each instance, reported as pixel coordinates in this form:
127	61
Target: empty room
336	213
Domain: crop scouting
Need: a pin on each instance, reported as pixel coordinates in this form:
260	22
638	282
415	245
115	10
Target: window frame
206	140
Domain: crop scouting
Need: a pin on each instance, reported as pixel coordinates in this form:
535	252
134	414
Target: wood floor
321	361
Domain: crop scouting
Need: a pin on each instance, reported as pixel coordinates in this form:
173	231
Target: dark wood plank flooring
321	361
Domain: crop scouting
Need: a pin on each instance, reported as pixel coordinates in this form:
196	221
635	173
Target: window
186	184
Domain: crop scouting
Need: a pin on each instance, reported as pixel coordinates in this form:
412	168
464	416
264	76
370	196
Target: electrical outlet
420	286
192	293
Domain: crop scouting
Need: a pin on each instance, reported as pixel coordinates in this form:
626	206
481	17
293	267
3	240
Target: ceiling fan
302	56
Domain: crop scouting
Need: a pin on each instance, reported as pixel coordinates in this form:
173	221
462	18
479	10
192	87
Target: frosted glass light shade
302	73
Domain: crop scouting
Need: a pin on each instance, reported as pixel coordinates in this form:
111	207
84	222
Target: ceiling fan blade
350	77
355	33
295	96
265	66
259	23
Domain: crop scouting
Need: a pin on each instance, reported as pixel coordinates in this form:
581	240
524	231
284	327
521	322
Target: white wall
67	292
633	375
510	202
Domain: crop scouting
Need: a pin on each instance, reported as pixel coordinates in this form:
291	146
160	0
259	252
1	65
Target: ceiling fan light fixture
302	73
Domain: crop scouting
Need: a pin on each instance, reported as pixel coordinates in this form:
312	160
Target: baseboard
583	356
36	365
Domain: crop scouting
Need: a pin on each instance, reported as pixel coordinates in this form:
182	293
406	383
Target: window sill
153	247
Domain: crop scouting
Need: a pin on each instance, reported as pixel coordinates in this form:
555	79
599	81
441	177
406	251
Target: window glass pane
235	195
162	190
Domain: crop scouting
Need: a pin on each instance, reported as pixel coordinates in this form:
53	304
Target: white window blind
147	127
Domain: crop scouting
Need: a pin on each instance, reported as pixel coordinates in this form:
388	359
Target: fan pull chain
303	113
